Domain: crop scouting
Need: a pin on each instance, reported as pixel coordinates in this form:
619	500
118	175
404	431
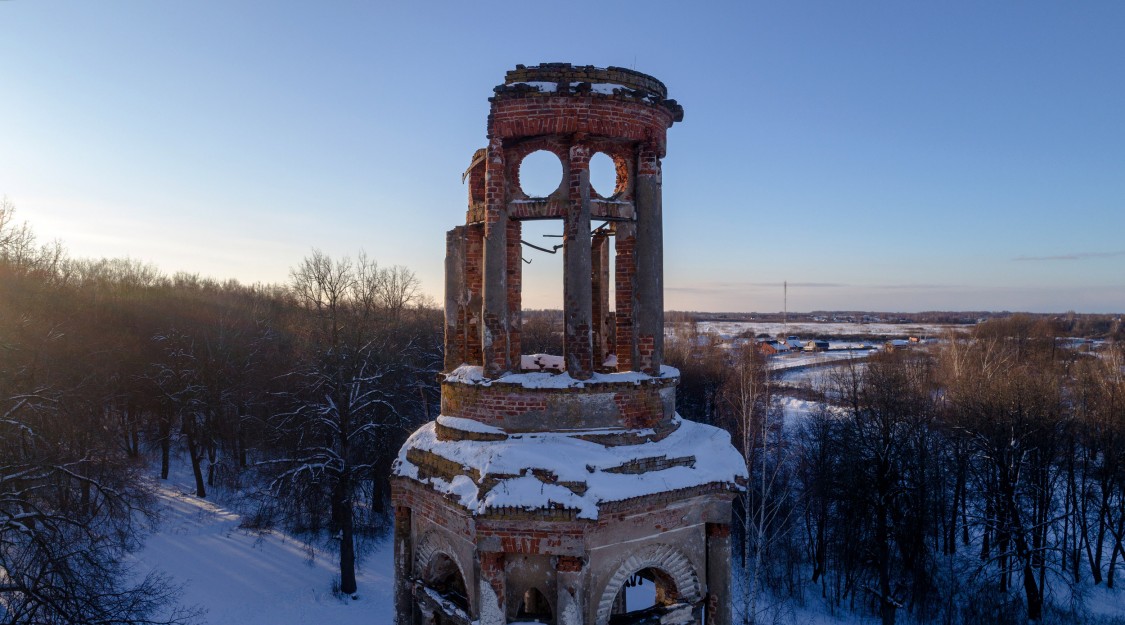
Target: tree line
298	394
979	481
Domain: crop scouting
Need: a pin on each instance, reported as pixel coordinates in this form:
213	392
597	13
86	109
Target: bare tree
71	504
396	288
346	393
885	448
1006	395
753	415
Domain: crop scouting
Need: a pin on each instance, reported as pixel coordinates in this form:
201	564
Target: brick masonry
605	405
455	565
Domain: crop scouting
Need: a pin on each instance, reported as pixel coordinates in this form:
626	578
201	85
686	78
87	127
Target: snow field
242	577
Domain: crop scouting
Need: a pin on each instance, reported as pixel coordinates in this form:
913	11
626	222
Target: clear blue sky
877	155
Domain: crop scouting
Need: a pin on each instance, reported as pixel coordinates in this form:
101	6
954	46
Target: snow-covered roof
562	470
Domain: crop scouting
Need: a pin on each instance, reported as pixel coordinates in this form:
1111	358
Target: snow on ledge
518	464
541	362
474	374
467	425
604	88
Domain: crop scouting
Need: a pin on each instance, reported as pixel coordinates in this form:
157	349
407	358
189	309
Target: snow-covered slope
245	578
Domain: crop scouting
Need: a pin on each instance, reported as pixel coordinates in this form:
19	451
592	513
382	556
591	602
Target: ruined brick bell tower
550	487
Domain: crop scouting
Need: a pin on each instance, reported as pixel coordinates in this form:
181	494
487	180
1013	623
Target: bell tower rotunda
552	485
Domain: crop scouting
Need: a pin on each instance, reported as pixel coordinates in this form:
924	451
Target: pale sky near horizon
897	156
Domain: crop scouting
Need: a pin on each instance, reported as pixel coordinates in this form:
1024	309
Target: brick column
625	272
578	341
492	605
455	297
571	588
650	262
404	562
494	333
599	279
718	574
514	270
474	285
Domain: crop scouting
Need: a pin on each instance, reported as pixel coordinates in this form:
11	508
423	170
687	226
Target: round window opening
603	174
540	173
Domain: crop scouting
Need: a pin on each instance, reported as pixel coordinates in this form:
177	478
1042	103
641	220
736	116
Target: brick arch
432	545
624	156
514	155
518	599
664	558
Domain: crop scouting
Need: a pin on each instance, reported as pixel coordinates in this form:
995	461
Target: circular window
540	173
603	174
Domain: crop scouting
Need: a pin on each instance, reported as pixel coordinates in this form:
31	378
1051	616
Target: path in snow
245	578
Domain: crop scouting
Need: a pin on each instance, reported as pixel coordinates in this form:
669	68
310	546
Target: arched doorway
644	592
442	575
656	578
535	607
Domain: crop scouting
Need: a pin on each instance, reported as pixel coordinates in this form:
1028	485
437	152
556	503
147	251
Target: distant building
816	345
772	347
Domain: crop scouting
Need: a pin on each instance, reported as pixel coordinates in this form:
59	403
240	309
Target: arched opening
541	295
604	295
443	576
541	290
603	174
534	607
645	593
540	174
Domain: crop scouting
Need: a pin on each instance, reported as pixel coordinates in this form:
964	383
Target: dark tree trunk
1024	554
1117	534
240	439
342	511
196	454
886	602
1103	514
985	542
165	446
955	509
212	459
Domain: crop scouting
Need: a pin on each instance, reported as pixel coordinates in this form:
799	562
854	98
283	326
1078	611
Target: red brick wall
514	270
639	410
625	268
608	116
631	128
534	536
474	272
488	405
626	405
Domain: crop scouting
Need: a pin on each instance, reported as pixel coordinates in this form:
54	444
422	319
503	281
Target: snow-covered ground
810	330
801	360
245	578
242	577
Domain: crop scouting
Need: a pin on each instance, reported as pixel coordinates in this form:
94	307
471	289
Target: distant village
789	340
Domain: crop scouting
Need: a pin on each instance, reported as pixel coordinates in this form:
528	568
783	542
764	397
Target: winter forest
980	479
